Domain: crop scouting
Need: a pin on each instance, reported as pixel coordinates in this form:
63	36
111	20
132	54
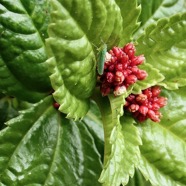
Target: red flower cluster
120	70
146	105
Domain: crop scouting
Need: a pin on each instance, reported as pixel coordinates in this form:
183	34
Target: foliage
48	53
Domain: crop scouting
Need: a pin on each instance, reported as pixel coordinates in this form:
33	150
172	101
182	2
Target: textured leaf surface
7	110
164	47
22	32
130	13
118	161
76	30
153	10
166	166
41	147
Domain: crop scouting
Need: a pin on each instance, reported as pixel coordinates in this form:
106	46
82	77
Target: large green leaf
163	159
164	47
153	10
76	31
22	50
41	147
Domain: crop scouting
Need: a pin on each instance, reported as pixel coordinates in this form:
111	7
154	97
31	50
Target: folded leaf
22	33
41	147
120	154
152	11
75	30
163	151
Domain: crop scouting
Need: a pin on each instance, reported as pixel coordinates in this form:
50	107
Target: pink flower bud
162	101
133	108
119	90
153	116
141	98
143	110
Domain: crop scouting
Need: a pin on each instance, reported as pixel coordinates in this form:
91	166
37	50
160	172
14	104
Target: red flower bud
155	91
141	98
131	79
119	77
137	60
143	110
141	74
56	105
153	116
110	77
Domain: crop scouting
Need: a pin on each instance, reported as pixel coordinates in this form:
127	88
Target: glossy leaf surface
167	164
41	147
22	32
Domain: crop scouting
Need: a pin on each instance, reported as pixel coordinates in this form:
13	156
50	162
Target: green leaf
75	29
22	33
130	13
8	110
152	11
41	147
164	47
163	151
163	35
120	154
95	127
154	77
138	180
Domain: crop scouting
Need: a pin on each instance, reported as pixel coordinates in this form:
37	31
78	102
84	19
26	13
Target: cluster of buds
146	105
121	70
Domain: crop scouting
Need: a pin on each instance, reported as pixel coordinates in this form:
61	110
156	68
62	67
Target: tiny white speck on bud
119	90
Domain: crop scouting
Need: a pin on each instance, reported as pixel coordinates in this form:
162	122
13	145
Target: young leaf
130	13
152	11
22	33
41	147
164	145
120	155
70	46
